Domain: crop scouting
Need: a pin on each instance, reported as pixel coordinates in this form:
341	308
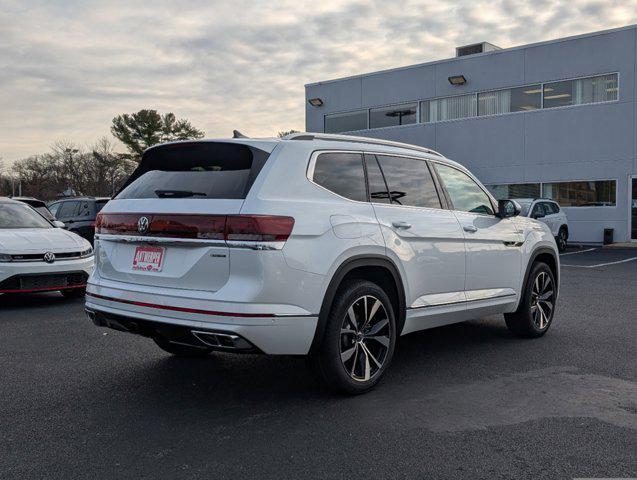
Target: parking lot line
601	264
579	251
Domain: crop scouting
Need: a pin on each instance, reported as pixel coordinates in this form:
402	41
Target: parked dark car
78	214
38	205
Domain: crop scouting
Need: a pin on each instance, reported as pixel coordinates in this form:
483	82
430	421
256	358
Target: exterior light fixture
457	80
315	102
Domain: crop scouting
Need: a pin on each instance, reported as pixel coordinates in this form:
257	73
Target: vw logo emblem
142	225
49	257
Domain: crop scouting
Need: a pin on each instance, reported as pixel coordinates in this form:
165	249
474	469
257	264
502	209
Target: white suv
321	245
550	213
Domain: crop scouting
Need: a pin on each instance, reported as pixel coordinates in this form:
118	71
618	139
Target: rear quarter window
341	173
195	170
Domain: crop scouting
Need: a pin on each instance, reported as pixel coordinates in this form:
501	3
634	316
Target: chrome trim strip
472	296
198	242
161	240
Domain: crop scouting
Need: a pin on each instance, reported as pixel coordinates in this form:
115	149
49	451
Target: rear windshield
195	170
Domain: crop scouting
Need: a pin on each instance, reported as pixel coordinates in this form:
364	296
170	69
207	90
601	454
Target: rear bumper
177	318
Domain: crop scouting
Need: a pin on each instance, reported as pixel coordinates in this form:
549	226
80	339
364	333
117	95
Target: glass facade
346	122
600	193
580	91
596	193
393	116
515	190
510	100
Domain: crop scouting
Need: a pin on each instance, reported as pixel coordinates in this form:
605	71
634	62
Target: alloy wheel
365	338
542	300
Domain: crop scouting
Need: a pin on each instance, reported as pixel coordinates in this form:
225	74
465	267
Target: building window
510	100
346	122
601	193
449	108
392	116
515	190
581	91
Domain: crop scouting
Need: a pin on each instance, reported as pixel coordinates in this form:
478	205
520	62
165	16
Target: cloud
68	67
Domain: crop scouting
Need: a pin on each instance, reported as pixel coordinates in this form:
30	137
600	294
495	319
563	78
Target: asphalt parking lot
464	401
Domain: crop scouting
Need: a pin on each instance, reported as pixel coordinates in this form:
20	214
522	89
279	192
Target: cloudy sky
67	67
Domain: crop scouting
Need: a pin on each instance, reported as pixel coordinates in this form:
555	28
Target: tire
181	350
73	292
562	240
535	313
352	357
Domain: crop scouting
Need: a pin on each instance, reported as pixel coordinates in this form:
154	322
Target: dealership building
555	119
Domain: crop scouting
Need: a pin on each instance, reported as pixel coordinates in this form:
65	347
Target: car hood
22	240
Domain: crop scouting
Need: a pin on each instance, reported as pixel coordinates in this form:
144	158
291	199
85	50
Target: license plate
148	259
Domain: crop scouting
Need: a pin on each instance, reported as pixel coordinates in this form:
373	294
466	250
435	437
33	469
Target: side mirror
538	215
58	224
508	208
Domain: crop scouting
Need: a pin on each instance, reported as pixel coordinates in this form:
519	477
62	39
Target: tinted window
537	210
377	188
346	122
85	210
581	91
510	100
392	116
465	194
99	205
195	170
341	173
409	181
68	210
15	215
600	193
54	208
515	190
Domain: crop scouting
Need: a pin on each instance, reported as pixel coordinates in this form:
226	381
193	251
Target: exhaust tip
222	340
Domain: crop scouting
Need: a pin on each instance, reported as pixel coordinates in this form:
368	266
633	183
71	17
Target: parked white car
321	245
37	256
550	213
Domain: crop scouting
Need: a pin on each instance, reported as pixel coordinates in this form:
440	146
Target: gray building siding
584	142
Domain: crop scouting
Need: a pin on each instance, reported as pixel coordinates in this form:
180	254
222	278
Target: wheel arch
376	268
548	256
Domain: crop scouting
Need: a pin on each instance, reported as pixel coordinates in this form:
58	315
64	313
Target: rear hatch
168	224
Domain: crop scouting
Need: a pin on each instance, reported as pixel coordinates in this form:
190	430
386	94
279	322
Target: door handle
470	228
401	225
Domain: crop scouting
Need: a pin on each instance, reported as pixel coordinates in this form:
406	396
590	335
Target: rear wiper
178	194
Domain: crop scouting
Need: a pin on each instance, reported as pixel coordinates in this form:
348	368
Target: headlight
5	257
87	253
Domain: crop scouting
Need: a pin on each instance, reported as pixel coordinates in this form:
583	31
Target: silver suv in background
548	212
321	245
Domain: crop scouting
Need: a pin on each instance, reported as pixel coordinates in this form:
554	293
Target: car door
492	244
419	231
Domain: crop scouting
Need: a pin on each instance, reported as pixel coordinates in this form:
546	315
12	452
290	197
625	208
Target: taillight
244	228
258	228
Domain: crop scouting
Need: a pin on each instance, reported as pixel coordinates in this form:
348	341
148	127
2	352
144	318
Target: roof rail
352	138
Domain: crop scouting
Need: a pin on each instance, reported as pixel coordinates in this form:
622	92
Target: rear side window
195	170
551	208
341	173
409	181
68	210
